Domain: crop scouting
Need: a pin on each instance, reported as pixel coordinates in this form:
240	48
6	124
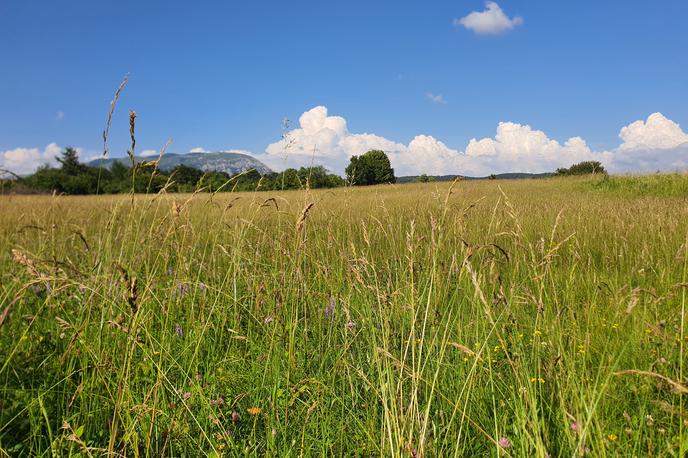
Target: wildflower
504	442
235	416
202	286
269	319
186	396
253	410
575	427
612	437
351	325
179	331
181	290
217	402
329	309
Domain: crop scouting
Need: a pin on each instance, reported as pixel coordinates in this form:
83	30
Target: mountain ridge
231	162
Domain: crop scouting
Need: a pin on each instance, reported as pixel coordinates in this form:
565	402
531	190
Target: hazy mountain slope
222	161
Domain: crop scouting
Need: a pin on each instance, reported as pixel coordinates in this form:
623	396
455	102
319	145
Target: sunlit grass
482	318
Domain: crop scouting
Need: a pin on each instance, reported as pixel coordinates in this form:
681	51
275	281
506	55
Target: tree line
73	177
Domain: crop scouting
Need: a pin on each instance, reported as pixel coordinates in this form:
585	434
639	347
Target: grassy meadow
526	318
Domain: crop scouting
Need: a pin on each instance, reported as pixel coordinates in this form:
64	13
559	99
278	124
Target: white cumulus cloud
657	132
491	21
23	161
321	139
198	149
655	144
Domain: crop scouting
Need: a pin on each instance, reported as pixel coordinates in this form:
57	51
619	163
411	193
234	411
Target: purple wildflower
181	290
329	309
235	416
179	331
575	427
504	442
186	396
217	402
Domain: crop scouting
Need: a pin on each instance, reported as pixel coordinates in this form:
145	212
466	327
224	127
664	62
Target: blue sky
223	75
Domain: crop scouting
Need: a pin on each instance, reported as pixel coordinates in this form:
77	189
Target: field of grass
511	318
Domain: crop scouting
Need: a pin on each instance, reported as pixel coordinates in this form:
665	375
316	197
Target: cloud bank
656	143
646	146
492	21
23	161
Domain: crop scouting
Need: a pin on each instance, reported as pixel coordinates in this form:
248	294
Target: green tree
70	162
186	177
583	168
370	168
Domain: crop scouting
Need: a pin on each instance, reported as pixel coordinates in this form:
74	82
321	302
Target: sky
444	87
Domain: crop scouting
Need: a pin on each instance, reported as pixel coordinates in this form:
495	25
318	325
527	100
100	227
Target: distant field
483	318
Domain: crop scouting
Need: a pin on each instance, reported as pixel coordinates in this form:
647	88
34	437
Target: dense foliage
73	178
372	167
583	168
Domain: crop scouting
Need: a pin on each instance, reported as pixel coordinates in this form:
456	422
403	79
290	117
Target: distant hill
230	162
499	176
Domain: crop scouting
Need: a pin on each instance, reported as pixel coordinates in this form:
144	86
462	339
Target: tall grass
531	318
661	185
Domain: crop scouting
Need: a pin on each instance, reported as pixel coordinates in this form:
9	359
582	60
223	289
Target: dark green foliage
70	162
76	178
183	174
583	168
371	168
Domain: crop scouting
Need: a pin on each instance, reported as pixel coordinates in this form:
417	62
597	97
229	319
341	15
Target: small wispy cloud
436	98
59	115
491	21
198	149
